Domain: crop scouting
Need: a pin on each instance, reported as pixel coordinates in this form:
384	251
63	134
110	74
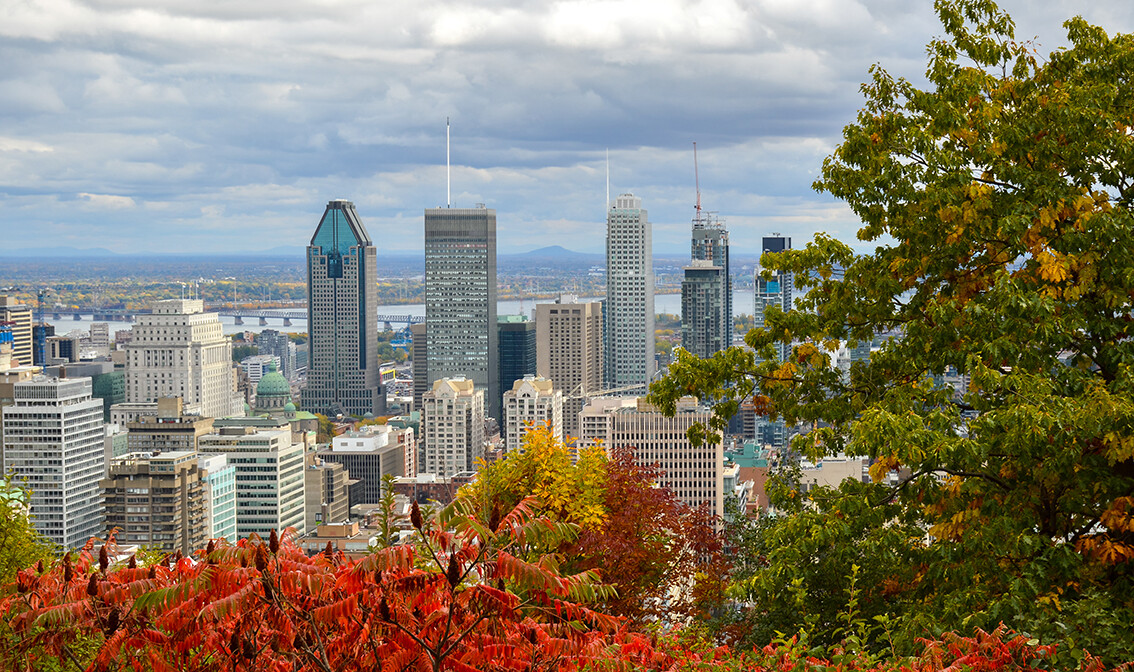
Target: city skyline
198	126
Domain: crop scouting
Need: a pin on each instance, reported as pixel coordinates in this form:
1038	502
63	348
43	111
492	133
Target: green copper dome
273	384
289	407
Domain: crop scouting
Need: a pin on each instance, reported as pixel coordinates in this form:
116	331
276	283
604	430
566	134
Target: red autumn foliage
460	600
662	556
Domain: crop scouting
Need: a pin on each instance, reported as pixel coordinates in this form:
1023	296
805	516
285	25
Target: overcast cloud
225	126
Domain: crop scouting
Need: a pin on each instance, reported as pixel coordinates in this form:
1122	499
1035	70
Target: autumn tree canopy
999	200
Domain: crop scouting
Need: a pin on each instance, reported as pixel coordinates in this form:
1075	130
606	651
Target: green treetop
999	198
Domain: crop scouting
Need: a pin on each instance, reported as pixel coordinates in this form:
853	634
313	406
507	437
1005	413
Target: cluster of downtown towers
461	337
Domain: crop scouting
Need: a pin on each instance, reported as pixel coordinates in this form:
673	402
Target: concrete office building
157	500
53	437
452	427
181	351
460	299
517	354
342	279
629	341
19	318
256	366
694	474
531	403
369	454
569	351
63	349
270	492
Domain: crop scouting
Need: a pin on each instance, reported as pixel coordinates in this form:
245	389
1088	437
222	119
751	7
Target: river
663	303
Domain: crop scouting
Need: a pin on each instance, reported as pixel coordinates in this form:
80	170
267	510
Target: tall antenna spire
697	180
607	206
448	173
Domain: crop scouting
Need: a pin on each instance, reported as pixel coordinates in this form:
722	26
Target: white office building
53	436
629	296
181	351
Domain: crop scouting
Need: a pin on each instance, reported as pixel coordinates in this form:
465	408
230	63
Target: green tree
999	198
20	544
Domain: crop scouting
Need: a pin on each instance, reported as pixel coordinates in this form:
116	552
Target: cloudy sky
226	125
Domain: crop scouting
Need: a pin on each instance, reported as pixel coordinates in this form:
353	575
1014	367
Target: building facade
157	500
569	351
270	492
775	291
369	454
460	299
530	404
452	427
342	308
629	322
19	318
693	473
272	342
219	478
706	295
517	356
704	330
53	437
179	350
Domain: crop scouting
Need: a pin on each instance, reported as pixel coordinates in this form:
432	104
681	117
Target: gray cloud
221	126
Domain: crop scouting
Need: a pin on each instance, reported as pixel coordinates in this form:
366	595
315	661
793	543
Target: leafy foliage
1000	198
20	544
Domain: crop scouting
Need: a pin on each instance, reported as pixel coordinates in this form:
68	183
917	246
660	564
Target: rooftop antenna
448	178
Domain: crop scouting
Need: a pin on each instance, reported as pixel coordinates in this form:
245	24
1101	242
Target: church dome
289	407
273	384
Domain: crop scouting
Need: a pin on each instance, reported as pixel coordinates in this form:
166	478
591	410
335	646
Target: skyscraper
569	351
775	291
460	299
706	293
53	438
629	295
517	352
179	350
342	279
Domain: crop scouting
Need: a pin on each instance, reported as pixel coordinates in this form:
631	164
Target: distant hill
49	252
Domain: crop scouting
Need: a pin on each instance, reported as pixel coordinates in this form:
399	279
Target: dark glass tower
460	299
517	350
342	302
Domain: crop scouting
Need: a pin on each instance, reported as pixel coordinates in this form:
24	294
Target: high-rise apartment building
19	318
272	342
53	440
517	355
775	291
158	500
629	325
460	299
702	309
532	403
452	427
179	350
693	473
706	293
219	478
569	351
270	492
342	308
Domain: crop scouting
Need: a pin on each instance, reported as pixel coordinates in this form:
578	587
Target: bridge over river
286	315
